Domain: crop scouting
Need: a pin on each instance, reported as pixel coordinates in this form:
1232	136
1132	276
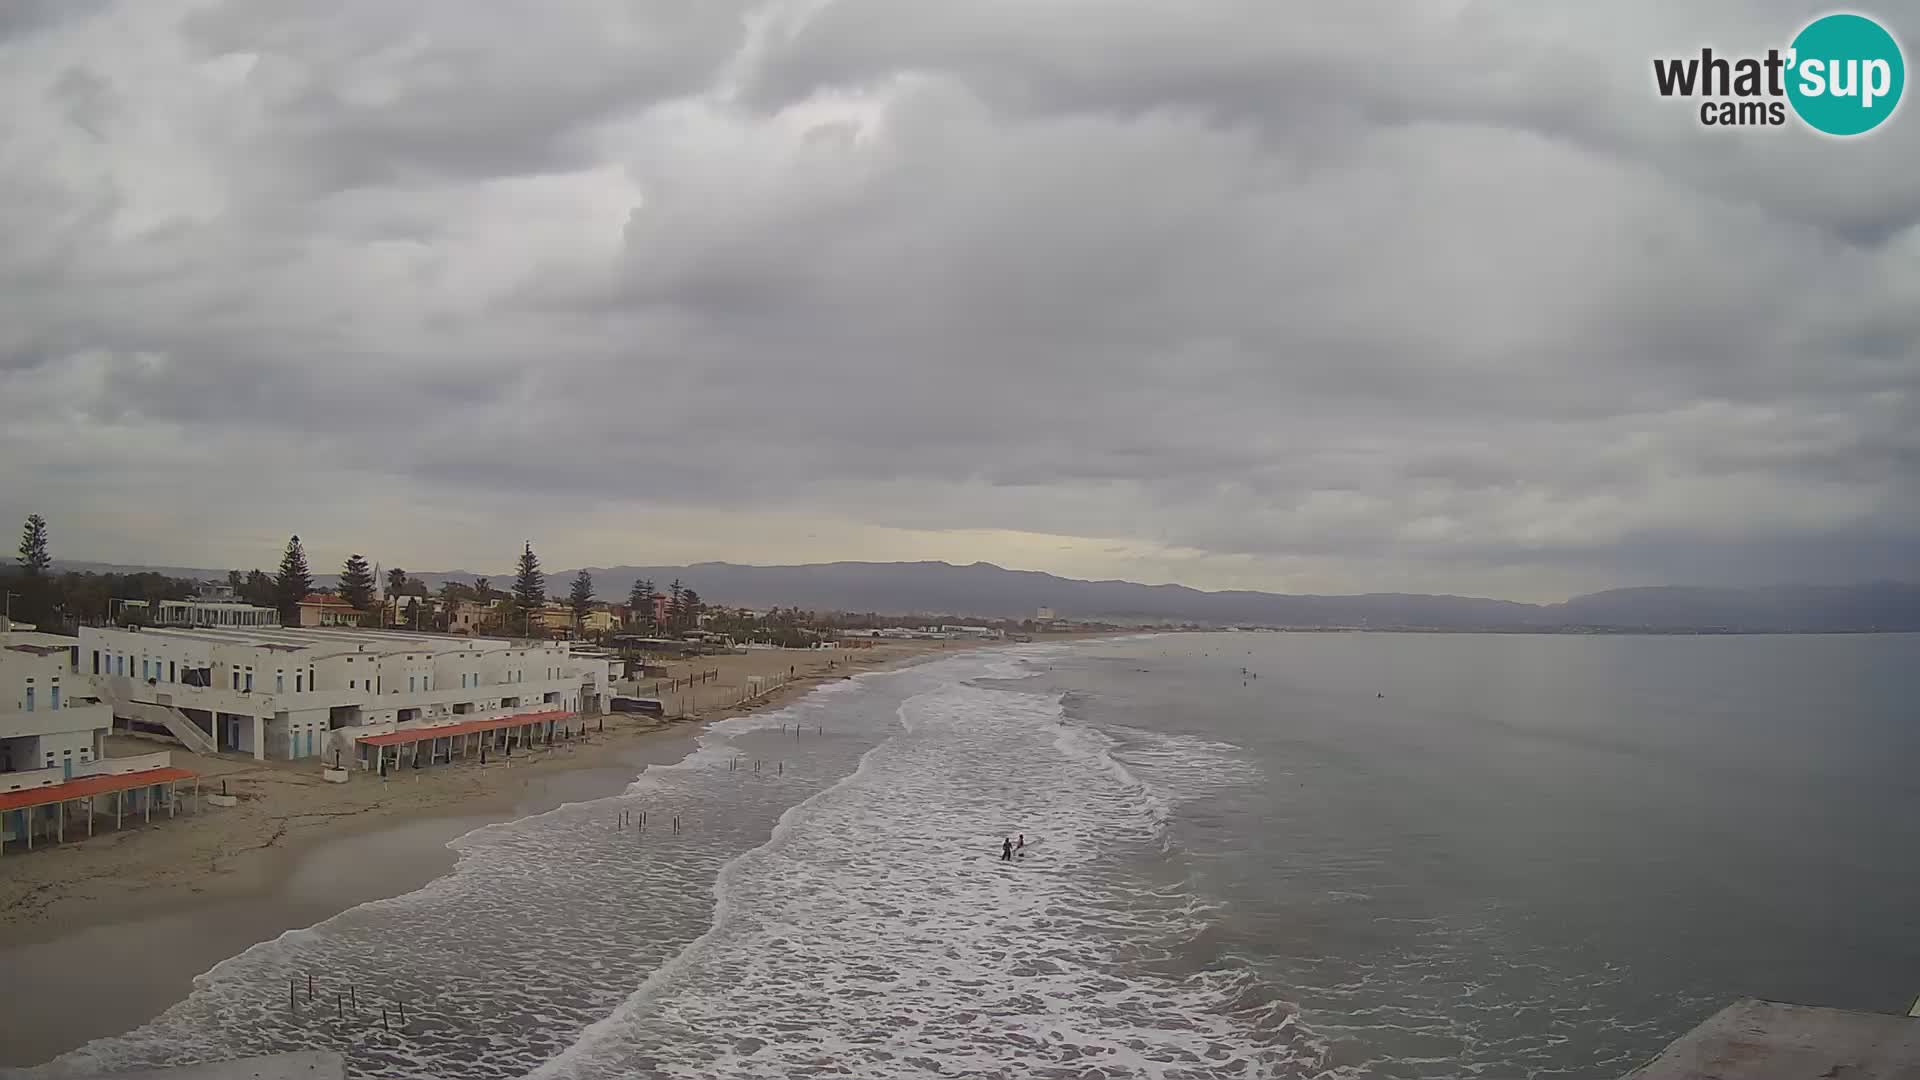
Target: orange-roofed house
320	609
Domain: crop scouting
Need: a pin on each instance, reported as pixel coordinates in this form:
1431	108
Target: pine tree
33	547
690	609
293	583
676	593
581	596
642	602
529	585
356	582
35	586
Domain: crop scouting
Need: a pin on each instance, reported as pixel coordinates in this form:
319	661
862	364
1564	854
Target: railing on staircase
116	690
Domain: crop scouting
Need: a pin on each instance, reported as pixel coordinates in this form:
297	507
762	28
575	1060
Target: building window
296	682
409	684
56	697
96	661
236	680
249	682
29	699
171	676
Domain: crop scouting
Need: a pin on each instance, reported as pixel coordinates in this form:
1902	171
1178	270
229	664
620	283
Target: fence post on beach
353	997
383	1019
403	1012
293	1003
339	1005
309	986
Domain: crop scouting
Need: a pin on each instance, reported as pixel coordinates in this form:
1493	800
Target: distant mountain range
983	590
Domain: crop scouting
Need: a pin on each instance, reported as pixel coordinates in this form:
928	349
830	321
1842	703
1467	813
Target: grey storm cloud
1403	296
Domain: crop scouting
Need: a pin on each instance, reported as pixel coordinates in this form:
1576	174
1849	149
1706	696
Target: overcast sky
1427	296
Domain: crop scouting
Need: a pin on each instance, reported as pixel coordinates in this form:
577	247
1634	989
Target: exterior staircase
117	692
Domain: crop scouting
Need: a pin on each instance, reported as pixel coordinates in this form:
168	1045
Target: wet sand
115	976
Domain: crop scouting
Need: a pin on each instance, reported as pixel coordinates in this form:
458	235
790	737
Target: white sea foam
878	933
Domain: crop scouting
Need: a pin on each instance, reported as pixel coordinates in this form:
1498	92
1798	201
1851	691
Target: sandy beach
184	894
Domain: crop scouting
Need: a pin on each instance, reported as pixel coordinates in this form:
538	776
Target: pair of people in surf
1008	847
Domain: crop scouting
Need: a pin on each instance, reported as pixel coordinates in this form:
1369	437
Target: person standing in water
1023	841
1006	849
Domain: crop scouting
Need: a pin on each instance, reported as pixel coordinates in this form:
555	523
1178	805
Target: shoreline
187	894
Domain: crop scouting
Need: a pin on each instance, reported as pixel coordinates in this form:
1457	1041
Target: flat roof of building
17	637
335	641
1769	1040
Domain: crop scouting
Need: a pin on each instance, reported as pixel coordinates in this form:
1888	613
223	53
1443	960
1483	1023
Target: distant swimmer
1023	841
1381	694
1006	849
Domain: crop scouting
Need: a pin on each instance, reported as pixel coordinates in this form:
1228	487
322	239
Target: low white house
322	692
49	719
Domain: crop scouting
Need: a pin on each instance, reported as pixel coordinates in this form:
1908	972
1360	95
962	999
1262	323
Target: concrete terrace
1769	1040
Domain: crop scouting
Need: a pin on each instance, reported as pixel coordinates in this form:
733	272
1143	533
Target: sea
1242	855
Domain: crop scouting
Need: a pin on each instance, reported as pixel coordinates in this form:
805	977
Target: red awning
441	731
87	786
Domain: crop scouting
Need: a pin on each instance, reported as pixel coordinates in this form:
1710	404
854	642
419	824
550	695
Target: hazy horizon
614	589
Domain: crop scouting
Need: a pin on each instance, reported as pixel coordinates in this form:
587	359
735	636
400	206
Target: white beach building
49	720
53	769
328	693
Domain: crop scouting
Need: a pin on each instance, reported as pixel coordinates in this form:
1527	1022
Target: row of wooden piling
344	1000
637	819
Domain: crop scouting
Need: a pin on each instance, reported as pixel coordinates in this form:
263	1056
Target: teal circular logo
1847	74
